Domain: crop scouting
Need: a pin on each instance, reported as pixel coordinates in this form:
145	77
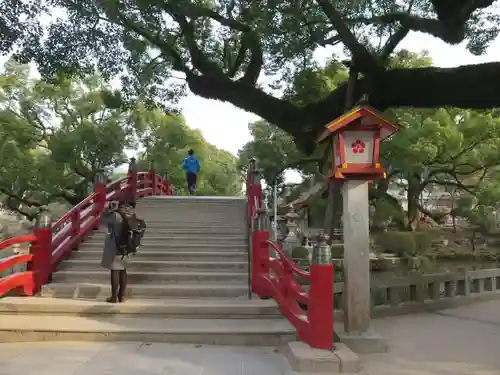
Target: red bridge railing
309	311
51	243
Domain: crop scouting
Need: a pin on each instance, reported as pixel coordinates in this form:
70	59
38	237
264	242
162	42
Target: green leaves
274	149
54	137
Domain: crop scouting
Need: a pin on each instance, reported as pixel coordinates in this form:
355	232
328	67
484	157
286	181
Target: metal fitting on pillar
256	175
252	164
261	220
265	201
132	165
322	252
43	219
100	177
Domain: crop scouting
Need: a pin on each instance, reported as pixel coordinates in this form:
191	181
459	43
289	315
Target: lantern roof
369	116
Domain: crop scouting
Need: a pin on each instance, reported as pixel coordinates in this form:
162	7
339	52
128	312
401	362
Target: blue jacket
191	164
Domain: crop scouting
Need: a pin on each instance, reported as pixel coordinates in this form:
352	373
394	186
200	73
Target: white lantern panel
336	156
359	146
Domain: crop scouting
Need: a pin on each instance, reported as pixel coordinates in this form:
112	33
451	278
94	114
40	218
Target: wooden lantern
356	143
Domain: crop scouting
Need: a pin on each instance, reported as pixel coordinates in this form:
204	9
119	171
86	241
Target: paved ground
462	341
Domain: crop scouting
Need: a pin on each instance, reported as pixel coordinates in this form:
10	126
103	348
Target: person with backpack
125	232
191	165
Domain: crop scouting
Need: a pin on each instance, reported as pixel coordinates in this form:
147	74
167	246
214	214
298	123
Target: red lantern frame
358	119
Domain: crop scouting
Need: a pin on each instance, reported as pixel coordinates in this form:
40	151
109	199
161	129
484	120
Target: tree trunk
333	215
413	196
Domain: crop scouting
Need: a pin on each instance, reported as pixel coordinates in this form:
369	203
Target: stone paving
461	341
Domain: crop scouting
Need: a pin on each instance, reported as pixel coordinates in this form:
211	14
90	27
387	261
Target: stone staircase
187	283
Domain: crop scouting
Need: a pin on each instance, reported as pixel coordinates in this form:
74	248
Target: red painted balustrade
51	243
277	278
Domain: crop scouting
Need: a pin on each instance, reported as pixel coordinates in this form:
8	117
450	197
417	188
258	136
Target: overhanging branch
362	58
468	86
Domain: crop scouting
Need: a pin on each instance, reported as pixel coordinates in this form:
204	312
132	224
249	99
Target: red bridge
55	262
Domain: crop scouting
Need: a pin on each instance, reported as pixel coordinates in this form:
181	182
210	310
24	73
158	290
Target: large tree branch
13	205
254	67
19	199
396	37
250	39
469	86
364	61
249	98
449	27
414	23
393	42
167	50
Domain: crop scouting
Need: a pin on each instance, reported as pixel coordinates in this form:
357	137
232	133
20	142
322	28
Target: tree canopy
56	136
219	49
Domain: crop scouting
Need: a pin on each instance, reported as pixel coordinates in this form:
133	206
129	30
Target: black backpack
131	233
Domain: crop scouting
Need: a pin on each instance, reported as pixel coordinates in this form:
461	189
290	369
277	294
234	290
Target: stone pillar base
303	358
365	343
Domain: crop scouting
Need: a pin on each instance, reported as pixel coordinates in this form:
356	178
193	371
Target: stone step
206	206
200	200
166	308
200	211
195	214
144	254
154	277
268	332
170	211
96	289
138	265
161	229
210	247
177	240
173	213
191	221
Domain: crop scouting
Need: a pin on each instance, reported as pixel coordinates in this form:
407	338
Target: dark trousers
191	182
118	285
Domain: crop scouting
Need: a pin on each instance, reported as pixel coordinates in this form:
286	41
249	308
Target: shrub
300	253
423	242
399	243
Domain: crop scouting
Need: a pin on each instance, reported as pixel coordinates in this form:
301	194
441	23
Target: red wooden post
118	192
166	185
320	307
41	249
75	227
154	180
260	254
132	179
100	200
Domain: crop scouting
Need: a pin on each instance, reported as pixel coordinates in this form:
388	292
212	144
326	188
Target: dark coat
110	258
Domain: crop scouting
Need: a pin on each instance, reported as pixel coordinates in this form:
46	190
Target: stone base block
303	358
365	343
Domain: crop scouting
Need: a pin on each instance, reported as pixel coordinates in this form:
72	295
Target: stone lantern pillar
291	240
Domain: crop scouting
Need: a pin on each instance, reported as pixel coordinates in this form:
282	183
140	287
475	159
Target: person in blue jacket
191	165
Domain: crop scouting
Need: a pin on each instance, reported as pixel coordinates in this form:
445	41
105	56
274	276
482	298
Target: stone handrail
420	292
